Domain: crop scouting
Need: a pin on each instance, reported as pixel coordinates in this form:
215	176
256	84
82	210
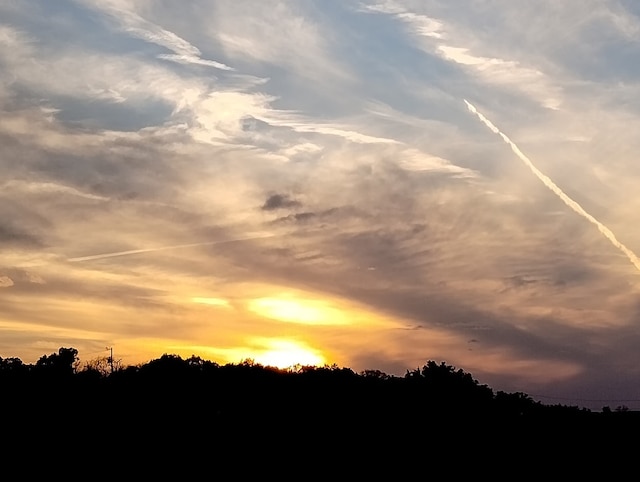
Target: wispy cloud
135	25
48	187
441	41
557	190
349	135
280	33
423	25
130	252
506	73
414	160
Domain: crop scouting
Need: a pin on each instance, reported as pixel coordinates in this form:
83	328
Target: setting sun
273	352
285	354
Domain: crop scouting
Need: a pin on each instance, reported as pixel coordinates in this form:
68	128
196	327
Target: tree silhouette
104	365
442	387
185	410
12	366
62	364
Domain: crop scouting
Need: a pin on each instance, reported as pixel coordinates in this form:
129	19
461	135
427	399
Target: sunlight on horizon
275	352
286	354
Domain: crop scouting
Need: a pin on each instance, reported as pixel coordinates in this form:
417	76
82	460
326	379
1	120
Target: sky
371	184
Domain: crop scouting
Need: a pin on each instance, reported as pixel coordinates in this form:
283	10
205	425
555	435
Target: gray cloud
280	201
10	236
300	217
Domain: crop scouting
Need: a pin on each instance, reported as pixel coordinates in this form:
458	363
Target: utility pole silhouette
110	359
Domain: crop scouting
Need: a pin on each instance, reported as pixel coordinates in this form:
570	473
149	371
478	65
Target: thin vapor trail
163	248
556	190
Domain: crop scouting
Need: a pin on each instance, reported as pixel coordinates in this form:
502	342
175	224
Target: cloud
130	252
298	217
279	201
423	25
17	236
414	160
5	282
557	190
15	42
281	33
445	41
307	124
341	132
27	187
188	59
86	75
506	73
135	25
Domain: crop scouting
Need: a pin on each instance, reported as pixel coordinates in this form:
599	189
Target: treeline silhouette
172	399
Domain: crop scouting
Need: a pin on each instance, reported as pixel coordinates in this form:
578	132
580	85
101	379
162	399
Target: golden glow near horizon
290	309
287	353
304	328
274	352
211	301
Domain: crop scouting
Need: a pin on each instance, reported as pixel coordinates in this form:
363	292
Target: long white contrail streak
556	190
164	248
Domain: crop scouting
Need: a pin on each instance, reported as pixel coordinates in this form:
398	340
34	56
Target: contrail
556	190
163	248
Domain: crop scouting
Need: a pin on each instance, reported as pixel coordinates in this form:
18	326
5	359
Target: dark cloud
417	279
298	217
309	216
13	236
279	201
519	280
109	115
126	167
22	225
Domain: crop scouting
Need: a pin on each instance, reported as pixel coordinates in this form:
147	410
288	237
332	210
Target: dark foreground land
176	414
